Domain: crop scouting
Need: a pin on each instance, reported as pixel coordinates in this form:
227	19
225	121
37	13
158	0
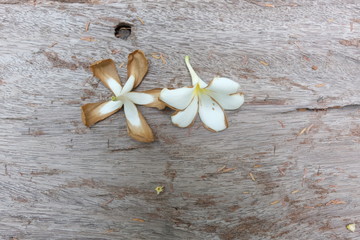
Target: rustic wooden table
287	167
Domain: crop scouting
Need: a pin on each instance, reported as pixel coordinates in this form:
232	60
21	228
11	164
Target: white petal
186	117
114	86
194	77
140	98
110	106
155	93
211	114
228	102
131	113
177	98
223	85
128	85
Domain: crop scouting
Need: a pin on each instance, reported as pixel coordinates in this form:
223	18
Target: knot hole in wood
123	30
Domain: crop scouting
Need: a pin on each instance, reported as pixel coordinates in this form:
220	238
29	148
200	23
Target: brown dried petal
137	66
106	71
95	112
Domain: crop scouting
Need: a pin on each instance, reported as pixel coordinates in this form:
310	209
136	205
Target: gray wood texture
287	167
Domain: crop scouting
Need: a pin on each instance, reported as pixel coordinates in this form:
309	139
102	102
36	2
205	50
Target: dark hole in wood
123	30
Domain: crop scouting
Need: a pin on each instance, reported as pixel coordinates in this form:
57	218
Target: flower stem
194	77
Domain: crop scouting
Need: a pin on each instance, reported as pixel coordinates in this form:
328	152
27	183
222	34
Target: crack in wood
348	106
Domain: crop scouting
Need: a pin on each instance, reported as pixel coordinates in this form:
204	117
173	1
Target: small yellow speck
89	39
302	131
87	26
159	189
138	220
295	191
269	5
264	63
158	55
142	21
252	177
121	65
309	128
320	85
351	227
274	202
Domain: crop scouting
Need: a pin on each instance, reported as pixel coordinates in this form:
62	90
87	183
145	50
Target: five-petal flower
210	100
137	68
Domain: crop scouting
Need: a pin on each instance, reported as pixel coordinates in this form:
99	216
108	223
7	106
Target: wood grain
298	64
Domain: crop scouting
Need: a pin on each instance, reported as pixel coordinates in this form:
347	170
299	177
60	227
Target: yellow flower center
159	189
118	98
198	90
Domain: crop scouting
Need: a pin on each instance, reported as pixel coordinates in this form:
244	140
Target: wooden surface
297	62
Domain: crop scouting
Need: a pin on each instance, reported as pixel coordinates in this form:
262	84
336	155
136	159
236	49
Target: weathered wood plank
298	63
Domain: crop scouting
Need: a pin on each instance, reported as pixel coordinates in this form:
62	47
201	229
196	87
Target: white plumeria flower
106	71
210	100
